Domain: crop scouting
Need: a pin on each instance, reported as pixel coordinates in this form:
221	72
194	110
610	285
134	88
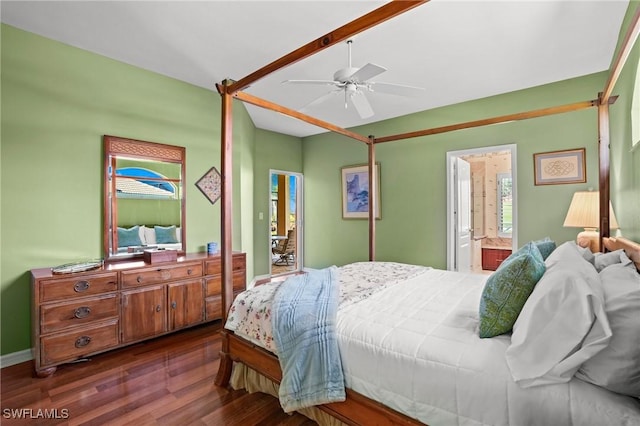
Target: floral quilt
250	313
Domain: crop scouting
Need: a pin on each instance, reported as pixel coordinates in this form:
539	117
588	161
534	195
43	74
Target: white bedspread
413	345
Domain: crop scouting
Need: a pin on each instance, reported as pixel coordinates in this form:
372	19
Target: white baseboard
15	358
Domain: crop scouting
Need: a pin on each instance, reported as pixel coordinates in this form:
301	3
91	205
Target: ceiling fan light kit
354	82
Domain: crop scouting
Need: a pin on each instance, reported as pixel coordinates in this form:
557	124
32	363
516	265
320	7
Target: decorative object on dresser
80	266
84	313
159	255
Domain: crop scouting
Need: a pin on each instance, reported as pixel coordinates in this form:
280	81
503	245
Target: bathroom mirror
144	197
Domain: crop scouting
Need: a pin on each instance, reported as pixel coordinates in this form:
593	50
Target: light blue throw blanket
304	320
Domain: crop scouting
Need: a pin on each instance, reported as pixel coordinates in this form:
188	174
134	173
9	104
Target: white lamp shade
584	211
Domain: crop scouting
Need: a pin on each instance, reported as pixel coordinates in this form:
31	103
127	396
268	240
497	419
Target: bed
451	398
408	339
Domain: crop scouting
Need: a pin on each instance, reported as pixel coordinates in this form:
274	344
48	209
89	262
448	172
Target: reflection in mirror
144	197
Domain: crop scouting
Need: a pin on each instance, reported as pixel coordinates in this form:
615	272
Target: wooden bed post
373	199
226	246
604	99
226	152
603	167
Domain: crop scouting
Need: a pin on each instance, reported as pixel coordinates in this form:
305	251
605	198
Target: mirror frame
114	147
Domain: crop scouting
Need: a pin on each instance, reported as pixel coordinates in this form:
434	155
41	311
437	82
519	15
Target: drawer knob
174	305
81	286
82	312
158	308
139	279
189	272
82	341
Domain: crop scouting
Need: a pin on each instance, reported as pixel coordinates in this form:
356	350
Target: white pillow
602	260
179	234
562	324
617	367
150	236
142	235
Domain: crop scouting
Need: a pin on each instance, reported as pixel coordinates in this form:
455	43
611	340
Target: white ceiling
455	50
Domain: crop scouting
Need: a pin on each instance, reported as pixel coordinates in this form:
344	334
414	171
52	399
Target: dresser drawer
79	342
214	266
214	284
57	316
79	286
159	274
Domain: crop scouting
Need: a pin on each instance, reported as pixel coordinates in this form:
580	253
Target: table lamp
584	212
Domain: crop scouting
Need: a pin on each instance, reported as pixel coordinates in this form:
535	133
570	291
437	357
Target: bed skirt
243	377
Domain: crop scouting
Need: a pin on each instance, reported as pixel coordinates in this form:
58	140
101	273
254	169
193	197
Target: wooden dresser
81	314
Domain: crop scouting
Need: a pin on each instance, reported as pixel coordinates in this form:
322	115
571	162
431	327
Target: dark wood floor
165	381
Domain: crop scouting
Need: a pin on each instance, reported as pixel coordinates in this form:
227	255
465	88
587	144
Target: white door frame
299	217
451	156
462	223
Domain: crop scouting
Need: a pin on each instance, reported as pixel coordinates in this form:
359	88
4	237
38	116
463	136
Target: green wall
276	152
57	102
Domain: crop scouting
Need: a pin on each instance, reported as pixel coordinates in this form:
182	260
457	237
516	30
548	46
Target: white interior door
462	214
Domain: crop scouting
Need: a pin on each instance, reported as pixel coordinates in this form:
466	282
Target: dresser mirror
144	197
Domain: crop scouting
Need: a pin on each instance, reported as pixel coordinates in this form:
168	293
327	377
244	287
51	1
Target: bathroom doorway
481	208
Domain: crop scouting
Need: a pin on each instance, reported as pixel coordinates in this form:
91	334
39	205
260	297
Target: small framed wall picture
558	167
210	184
355	192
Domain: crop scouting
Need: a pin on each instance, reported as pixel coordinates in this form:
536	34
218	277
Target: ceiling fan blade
395	89
320	99
365	73
362	105
321	82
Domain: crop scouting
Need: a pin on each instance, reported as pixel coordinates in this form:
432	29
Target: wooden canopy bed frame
358	409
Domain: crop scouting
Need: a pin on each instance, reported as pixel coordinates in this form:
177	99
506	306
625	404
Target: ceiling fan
354	82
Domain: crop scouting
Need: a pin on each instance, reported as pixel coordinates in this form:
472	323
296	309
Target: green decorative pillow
546	246
129	236
166	234
507	290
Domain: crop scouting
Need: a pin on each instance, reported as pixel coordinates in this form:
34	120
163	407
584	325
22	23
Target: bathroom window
635	110
505	205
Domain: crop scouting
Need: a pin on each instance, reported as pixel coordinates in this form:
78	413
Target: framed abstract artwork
355	191
558	167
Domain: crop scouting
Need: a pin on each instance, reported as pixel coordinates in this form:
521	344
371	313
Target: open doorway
285	224
481	208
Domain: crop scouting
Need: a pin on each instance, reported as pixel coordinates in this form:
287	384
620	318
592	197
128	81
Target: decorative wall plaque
211	185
